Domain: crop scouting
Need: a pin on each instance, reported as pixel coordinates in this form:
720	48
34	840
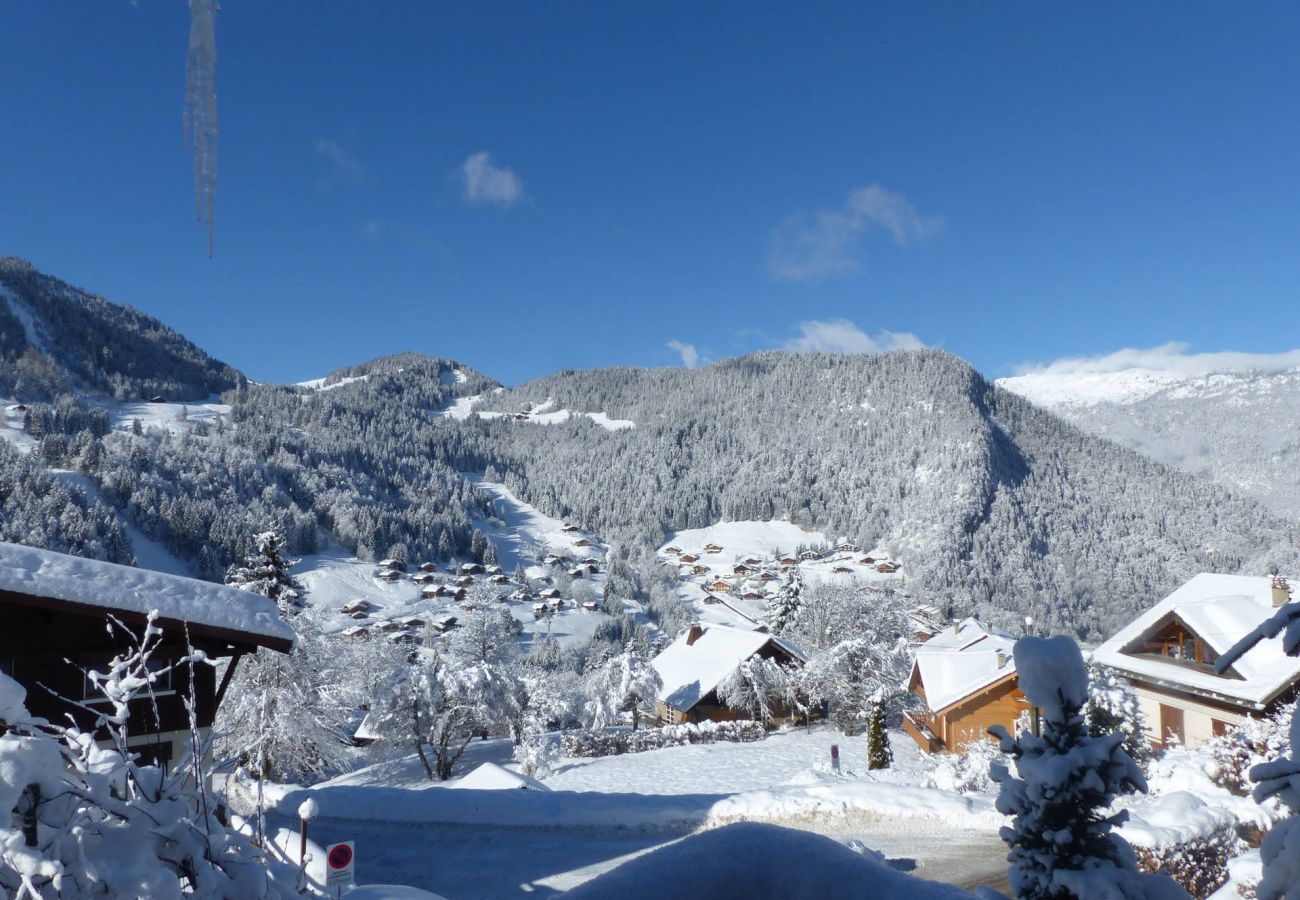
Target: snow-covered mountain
990	504
1241	429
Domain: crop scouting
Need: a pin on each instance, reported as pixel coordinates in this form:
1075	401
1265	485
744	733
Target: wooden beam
225	681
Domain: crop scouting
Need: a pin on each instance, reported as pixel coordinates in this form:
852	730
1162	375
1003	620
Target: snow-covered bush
1061	838
967	771
1113	706
759	687
615	743
1199	866
1242	747
625	683
89	821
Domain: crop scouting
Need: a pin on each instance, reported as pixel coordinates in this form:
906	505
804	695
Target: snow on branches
1061	838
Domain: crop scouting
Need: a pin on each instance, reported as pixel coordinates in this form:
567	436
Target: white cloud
842	336
1172	358
804	247
343	161
690	356
487	183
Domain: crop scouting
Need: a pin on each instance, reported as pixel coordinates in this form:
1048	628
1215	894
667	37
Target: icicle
200	119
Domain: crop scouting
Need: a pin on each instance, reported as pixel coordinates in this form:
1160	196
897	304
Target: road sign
340	860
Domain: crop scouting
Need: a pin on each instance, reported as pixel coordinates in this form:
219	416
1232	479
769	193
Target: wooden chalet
355	606
428	567
1170	650
394	564
422	577
887	567
471	569
721	587
582	542
712	548
788	561
692	667
675	551
57	609
389	575
842	570
741	569
699	569
966	678
569	529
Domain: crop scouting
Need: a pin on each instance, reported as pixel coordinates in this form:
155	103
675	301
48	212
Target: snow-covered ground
599	813
11	428
174	416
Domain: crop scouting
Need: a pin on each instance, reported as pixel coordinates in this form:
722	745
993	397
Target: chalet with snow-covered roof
788	561
1170	650
712	548
692	667
689	558
356	633
887	568
966	678
674	551
428	567
767	576
842	570
471	569
355	606
389	575
569	529
721	587
699	569
395	564
582	542
431	593
550	594
56	609
741	569
810	556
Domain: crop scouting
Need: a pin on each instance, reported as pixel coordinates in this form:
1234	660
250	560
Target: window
162	684
1219	727
1175	642
1171	725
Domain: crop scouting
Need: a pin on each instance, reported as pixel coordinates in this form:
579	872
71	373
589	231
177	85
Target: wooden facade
968	719
48	644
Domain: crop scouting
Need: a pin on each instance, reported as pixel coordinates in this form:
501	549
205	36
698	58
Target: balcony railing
920	732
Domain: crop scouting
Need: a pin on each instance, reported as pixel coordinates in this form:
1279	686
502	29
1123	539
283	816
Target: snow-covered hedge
1200	865
614	743
1254	741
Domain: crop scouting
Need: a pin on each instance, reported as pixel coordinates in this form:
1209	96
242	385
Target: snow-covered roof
960	661
690	671
1221	610
46	575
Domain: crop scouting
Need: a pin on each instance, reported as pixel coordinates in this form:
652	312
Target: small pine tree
1060	837
490	554
785	608
444	546
879	754
1113	706
136	428
267	573
521	574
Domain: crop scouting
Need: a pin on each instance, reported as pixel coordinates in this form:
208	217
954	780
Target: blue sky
534	186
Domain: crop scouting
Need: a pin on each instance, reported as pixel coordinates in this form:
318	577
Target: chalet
692	667
721	587
577	572
393	564
926	621
842	570
430	593
675	551
422	577
751	595
389	626
495	570
57	608
589	605
405	637
847	547
389	575
752	561
590	561
459	593
550	594
1169	652
355	633
569	529
355	606
788	561
428	567
412	622
712	548
553	560
699	569
582	542
689	558
539	608
444	623
499	579
741	569
966	677
810	556
887	567
471	569
767	576
158	398
521	595
361	614
463	581
867	561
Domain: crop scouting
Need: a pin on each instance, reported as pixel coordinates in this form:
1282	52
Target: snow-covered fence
614	743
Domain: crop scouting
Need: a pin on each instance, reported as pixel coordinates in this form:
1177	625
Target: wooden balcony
919	731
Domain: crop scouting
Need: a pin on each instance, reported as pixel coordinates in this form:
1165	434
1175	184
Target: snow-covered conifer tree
1061	838
879	754
266	572
1113	706
789	600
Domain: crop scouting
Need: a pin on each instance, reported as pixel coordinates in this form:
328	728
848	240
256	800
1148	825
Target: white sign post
340	862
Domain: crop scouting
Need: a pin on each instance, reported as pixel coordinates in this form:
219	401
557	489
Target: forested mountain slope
1241	429
56	338
995	504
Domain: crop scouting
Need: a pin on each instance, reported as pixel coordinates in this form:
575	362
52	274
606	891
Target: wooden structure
965	678
1169	654
692	667
57	609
